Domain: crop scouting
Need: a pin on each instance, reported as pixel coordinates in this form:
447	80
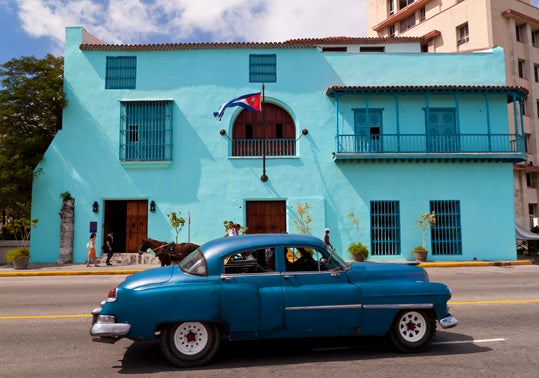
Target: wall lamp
152	206
303	133
223	133
95	207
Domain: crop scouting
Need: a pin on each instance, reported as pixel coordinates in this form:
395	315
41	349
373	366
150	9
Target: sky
37	27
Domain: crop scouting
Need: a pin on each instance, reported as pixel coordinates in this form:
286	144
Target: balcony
254	147
454	147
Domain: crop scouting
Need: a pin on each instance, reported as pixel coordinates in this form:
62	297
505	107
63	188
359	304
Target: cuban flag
249	101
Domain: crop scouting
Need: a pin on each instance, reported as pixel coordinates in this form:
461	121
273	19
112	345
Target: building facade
369	126
469	25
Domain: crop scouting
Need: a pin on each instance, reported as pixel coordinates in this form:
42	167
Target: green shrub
17	253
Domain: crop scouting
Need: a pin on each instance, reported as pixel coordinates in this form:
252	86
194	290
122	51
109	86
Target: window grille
146	131
121	72
385	228
446	234
262	68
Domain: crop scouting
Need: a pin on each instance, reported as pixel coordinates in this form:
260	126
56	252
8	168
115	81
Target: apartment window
517	33
521	68
372	49
146	130
422	14
463	35
535	38
527	137
392	30
536	73
391	6
446	234
334	49
385	228
531	179
404	3
537	103
532	211
407	23
262	68
121	72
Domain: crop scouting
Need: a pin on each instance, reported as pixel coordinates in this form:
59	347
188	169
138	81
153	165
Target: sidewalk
35	269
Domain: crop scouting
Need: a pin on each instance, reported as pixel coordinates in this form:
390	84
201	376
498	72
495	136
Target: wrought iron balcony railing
254	147
422	143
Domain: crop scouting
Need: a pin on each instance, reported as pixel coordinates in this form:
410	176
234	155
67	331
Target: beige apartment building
467	25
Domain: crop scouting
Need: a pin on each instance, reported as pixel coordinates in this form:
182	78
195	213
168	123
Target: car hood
387	271
149	277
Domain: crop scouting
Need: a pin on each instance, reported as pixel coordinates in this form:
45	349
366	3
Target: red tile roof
293	43
331	91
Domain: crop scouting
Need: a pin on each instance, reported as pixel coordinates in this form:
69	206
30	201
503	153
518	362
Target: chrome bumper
105	329
448	322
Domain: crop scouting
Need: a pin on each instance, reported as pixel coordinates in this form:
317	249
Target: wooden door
264	217
136	224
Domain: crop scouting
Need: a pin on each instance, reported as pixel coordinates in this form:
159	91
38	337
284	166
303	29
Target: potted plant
19	257
20	228
424	222
358	251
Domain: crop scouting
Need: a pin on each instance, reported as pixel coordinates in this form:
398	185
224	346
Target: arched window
248	132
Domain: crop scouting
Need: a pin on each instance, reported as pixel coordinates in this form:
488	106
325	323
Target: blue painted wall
205	181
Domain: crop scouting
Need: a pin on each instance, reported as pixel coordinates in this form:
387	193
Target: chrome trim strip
327	307
399	306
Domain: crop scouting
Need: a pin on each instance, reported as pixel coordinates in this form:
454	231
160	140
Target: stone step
120	258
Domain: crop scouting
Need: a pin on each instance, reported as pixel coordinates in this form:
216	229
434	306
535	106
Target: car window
195	263
250	261
303	259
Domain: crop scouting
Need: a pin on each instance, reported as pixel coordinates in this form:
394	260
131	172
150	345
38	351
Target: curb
447	264
70	273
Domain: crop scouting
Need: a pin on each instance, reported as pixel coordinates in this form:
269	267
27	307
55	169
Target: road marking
45	316
467	341
503	301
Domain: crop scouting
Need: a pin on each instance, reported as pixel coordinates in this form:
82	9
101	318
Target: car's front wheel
412	331
190	344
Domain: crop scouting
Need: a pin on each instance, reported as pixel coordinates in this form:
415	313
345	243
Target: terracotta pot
358	258
21	263
420	255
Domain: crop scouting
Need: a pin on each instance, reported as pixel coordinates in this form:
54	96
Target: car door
251	293
317	301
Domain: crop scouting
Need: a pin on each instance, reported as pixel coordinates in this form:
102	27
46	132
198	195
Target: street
45	322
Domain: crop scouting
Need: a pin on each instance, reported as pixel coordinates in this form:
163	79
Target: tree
176	221
31	103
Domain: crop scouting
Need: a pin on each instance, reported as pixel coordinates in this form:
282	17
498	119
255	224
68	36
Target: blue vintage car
271	286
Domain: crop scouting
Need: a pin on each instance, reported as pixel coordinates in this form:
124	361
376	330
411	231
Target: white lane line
467	341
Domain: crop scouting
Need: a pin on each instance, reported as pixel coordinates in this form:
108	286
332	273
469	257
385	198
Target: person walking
91	250
109	240
231	230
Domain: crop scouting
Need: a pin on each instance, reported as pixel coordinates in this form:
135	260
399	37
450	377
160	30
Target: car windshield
195	263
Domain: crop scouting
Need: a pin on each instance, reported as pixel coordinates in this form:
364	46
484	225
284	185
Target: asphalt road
44	332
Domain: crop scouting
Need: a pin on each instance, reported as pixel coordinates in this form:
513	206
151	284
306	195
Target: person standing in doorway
231	229
108	246
91	250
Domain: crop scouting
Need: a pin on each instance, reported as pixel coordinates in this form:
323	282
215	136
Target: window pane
262	68
446	235
145	132
385	228
121	72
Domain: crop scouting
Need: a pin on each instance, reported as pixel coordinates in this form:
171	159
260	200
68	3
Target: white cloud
165	21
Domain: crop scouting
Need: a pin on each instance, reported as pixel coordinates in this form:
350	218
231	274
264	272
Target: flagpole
263	178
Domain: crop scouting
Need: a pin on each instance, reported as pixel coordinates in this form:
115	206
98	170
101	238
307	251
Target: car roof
223	246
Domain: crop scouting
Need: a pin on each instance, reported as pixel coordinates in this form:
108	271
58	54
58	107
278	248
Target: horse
167	253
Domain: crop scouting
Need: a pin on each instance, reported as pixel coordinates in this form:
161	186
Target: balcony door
368	130
441	130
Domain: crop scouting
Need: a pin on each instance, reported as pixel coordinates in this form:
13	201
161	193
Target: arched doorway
248	132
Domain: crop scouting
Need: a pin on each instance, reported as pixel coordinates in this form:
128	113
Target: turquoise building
369	126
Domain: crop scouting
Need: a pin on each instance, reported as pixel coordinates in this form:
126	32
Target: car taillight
112	295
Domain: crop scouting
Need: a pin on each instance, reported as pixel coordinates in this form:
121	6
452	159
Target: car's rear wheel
412	331
190	344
